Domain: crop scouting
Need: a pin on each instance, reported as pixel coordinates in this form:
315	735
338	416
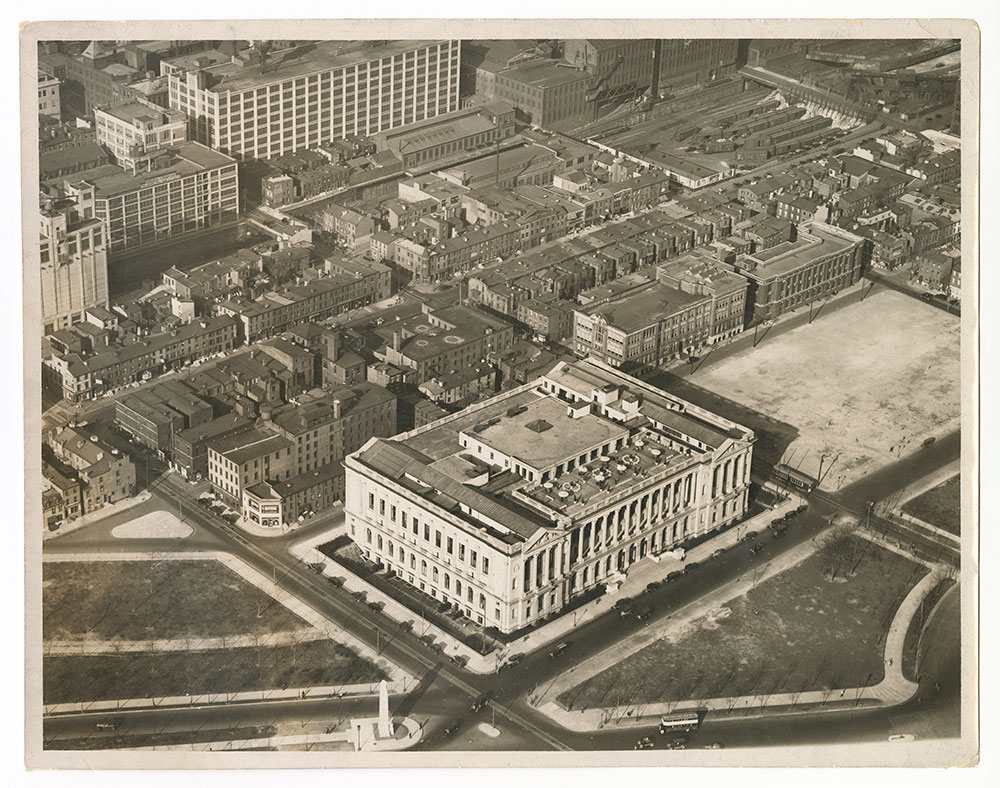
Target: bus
680	722
792	477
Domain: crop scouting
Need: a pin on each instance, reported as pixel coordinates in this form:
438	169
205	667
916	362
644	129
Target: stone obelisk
385	729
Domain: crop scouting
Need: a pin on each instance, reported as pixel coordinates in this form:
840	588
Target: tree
841	552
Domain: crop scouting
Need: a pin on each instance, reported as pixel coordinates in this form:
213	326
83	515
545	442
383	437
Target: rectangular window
381	507
473	560
461	552
427	532
451	545
437	538
392	513
486	565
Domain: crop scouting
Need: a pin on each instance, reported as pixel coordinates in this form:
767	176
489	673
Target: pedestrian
890	662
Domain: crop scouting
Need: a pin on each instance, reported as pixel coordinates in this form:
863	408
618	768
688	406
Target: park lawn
143	675
940	506
138	600
796	631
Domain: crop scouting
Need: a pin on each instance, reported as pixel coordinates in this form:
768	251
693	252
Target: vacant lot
940	506
137	600
859	384
313	663
799	630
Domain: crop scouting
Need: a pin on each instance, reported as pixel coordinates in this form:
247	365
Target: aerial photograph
499	396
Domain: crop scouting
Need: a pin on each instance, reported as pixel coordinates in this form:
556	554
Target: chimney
337	408
333	346
396	340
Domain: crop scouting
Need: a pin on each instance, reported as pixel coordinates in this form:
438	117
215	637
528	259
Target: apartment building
91	374
511	508
266	103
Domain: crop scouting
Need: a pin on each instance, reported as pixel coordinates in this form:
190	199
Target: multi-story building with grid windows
74	256
171	192
511	508
275	102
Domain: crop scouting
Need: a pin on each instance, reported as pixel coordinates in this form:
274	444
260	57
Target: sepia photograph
506	388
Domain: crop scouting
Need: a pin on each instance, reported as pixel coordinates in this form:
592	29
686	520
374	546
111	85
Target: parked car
777	532
559	650
690	567
802	508
643	614
749	536
674	575
929	442
718	553
652	586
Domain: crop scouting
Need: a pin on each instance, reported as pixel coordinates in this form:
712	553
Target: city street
447	692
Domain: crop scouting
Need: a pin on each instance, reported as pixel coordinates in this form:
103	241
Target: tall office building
265	103
513	507
74	258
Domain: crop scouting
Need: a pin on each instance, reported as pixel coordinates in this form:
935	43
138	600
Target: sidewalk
892	690
367	741
99	514
638	576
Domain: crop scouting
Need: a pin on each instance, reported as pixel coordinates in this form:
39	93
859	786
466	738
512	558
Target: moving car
481	702
645	743
756	549
559	650
452	729
643	614
513	659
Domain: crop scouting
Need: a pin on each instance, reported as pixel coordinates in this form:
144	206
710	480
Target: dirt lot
861	384
137	600
799	630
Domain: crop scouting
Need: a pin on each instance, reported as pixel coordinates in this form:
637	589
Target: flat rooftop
311	58
544	74
542	433
813	243
190	158
643	306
